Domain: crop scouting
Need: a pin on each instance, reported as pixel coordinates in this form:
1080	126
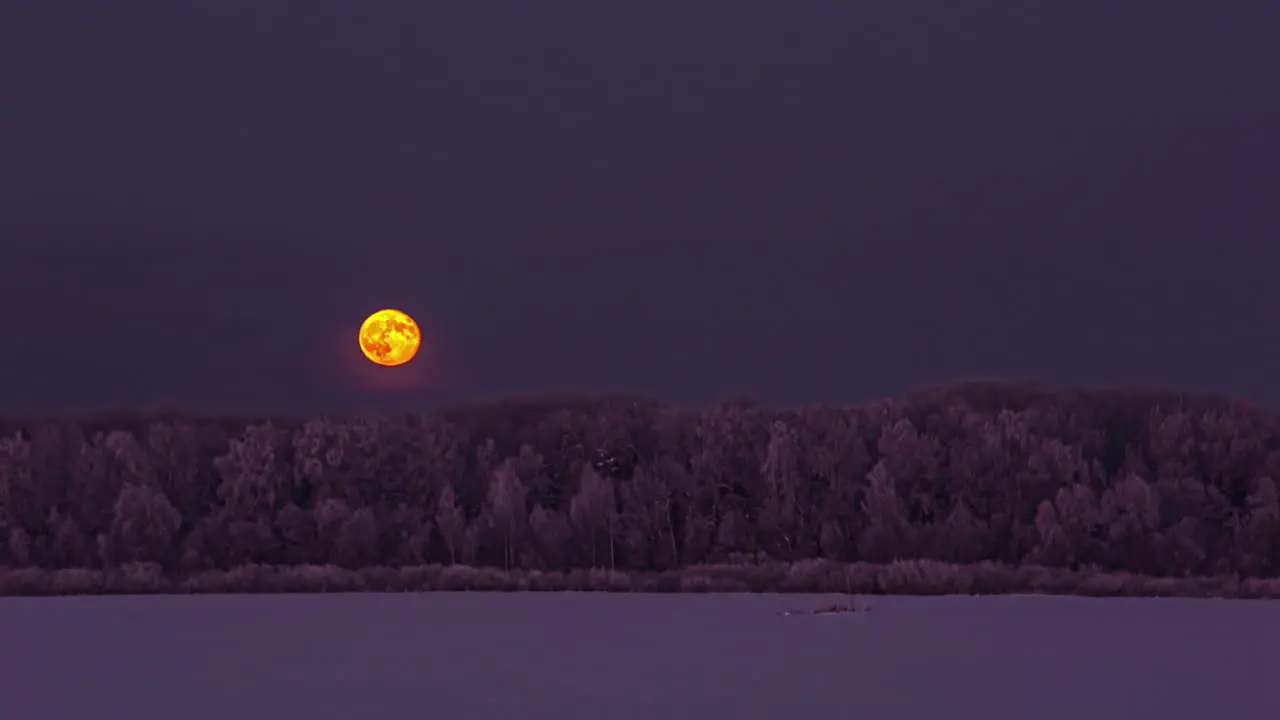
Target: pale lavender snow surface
614	657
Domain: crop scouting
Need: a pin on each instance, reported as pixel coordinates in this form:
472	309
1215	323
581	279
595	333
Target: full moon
390	337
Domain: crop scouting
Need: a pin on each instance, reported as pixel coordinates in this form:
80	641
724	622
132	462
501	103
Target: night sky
821	201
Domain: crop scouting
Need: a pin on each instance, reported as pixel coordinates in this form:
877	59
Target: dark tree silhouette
1160	484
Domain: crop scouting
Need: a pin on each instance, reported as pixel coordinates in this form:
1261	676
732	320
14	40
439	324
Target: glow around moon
390	337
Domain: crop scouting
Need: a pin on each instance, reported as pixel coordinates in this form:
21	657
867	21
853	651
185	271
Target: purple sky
818	201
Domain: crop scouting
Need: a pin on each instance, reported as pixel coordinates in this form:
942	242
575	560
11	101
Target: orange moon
390	337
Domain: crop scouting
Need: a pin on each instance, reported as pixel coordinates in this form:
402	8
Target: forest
977	486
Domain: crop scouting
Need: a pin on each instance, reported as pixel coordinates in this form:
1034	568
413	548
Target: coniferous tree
1154	483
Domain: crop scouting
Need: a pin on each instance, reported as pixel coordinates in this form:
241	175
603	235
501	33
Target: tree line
1156	483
